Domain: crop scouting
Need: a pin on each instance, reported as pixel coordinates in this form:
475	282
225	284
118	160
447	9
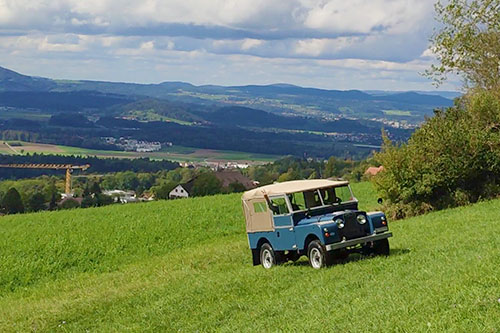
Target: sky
332	44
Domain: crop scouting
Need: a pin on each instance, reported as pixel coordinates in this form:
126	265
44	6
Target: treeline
61	101
293	168
42	193
76	137
30	195
97	165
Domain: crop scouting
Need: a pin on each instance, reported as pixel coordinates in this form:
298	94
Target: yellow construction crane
68	167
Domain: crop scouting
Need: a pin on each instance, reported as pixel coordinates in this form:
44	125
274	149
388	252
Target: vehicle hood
325	218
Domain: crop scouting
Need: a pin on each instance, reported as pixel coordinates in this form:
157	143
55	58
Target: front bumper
357	241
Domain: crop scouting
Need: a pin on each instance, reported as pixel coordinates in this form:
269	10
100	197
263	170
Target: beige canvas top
291	187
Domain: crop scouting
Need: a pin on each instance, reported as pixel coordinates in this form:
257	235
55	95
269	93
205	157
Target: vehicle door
283	224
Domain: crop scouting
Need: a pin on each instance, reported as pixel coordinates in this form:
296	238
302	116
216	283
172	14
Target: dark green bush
452	160
12	203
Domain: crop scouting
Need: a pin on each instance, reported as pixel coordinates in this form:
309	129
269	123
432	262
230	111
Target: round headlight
361	219
340	223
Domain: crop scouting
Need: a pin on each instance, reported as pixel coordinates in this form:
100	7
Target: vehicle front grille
352	229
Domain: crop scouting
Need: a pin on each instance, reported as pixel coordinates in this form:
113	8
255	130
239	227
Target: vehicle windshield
317	198
336	195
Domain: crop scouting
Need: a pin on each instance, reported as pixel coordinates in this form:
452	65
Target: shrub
70	204
12	203
36	202
452	160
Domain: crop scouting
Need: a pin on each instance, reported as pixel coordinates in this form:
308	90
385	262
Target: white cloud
250	43
223	40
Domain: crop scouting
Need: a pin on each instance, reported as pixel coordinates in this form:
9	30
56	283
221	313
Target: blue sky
334	44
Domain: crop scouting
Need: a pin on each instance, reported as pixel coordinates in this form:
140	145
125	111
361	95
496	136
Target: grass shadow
353	257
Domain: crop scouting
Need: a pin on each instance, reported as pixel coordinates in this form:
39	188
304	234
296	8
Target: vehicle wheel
318	256
381	247
267	256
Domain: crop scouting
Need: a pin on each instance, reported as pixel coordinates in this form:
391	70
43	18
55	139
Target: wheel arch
311	237
256	251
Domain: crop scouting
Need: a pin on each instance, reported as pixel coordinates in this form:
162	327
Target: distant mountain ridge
22	91
13	81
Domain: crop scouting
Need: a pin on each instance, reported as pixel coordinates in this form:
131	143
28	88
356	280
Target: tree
453	159
128	180
206	184
36	202
236	187
291	174
53	201
12	202
163	190
467	43
95	188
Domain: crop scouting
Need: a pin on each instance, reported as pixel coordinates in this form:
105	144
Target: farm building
181	190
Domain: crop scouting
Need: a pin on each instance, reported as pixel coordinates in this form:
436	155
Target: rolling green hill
185	266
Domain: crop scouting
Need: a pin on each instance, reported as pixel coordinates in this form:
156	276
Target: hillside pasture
184	265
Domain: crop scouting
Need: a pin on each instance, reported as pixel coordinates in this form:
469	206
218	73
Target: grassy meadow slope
185	265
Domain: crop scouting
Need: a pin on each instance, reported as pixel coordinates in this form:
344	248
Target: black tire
267	256
381	247
317	255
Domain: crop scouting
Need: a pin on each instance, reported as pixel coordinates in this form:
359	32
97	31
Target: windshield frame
290	206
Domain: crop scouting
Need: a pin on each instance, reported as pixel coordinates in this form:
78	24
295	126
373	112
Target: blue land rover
318	218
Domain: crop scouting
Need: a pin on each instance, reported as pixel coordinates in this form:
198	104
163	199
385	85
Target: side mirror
380	201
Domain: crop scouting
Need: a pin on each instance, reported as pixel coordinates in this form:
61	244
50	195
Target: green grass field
397	113
185	266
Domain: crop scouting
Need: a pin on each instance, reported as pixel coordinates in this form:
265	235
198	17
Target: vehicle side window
297	200
343	193
312	199
259	207
280	206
